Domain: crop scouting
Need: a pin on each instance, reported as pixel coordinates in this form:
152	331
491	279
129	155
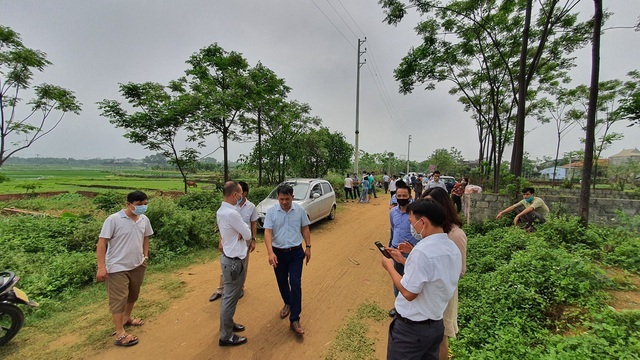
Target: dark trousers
348	193
372	189
386	186
408	341
458	201
356	192
289	278
529	218
400	269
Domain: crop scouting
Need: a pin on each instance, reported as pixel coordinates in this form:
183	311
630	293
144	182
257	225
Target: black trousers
408	341
529	218
458	201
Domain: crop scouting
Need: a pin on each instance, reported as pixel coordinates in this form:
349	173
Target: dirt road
344	272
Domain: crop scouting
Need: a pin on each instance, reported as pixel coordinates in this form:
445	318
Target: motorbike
11	316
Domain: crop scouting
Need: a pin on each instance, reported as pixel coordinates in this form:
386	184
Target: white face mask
415	233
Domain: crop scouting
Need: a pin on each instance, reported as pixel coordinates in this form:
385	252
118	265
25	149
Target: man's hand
396	255
307	254
405	247
252	245
499	215
273	260
515	220
387	264
102	274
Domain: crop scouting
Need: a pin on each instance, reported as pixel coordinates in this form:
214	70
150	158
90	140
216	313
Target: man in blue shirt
285	226
400	228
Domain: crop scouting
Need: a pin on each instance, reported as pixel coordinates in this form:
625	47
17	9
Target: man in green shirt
529	210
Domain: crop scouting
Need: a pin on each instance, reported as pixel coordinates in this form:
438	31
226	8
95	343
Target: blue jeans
289	278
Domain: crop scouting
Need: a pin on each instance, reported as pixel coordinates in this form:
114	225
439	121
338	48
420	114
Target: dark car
448	181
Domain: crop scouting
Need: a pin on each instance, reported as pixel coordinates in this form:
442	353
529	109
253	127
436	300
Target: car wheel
332	214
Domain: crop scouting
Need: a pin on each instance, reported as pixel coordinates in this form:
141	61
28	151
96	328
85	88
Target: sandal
120	341
134	322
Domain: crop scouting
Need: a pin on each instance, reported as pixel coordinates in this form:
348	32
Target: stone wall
484	206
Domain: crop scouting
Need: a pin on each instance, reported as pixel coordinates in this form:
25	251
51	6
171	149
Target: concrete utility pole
408	149
360	63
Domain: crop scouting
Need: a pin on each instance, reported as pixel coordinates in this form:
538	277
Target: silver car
316	196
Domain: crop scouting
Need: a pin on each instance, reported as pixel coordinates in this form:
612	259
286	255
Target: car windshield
299	191
449	180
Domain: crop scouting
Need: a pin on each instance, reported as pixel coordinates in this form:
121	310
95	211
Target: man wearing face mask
234	234
122	254
529	210
429	281
400	227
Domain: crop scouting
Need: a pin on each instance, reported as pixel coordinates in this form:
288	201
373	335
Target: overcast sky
94	45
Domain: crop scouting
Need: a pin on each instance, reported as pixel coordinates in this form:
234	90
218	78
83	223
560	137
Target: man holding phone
400	228
430	279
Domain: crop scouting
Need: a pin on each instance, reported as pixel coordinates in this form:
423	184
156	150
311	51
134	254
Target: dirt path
333	285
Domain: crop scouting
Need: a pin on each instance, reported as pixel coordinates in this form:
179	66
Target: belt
288	249
232	258
421	322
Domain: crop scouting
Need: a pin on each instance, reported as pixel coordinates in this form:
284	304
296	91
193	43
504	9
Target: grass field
44	178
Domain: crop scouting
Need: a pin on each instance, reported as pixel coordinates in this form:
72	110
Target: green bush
110	201
201	200
257	194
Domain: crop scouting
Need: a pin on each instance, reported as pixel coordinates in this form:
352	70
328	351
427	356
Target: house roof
626	153
579	164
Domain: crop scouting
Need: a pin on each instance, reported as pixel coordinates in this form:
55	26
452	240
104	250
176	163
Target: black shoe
234	341
216	295
392	312
241	294
238	328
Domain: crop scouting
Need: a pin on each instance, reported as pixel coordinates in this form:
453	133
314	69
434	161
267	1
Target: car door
327	199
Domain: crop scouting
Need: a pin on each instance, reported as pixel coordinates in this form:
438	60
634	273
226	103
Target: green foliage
29	187
257	194
4	178
110	201
201	200
351	341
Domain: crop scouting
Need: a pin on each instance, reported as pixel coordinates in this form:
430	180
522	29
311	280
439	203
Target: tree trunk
259	147
555	163
225	150
518	140
585	190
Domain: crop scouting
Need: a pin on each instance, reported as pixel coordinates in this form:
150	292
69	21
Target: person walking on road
234	234
122	254
286	226
385	182
348	185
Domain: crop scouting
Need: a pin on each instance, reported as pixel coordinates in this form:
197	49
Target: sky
95	45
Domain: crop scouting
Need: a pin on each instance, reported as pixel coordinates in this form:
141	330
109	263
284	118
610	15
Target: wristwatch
308	246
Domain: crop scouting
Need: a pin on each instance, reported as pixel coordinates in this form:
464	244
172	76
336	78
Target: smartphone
382	249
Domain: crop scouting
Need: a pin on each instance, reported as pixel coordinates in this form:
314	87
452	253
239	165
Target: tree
623	174
630	105
477	45
448	162
220	81
164	114
17	65
585	193
319	151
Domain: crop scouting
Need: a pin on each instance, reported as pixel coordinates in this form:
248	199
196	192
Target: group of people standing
428	256
368	184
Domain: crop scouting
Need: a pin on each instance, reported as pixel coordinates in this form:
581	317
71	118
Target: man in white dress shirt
430	278
234	234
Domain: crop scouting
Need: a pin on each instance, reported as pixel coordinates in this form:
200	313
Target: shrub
110	201
201	200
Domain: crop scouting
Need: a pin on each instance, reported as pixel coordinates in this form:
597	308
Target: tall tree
585	190
319	151
164	114
477	45
20	129
220	81
630	104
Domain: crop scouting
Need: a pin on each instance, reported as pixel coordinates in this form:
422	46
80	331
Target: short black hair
403	187
436	172
529	189
136	196
229	188
284	189
400	183
244	186
430	209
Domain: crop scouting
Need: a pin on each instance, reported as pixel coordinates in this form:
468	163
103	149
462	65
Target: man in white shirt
435	182
430	278
250	216
348	185
234	234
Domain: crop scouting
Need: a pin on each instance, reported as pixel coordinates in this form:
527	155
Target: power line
334	25
340	16
347	11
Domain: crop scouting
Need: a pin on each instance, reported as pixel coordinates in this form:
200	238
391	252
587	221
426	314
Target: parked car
449	181
316	196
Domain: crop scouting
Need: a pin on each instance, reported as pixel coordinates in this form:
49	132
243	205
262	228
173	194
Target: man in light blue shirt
285	226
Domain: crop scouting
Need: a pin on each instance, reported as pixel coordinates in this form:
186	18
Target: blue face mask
529	199
140	209
239	200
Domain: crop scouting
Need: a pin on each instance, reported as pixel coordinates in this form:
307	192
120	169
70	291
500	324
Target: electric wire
341	18
334	25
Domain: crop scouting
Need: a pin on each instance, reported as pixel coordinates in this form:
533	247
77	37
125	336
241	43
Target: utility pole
360	63
389	164
408	149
